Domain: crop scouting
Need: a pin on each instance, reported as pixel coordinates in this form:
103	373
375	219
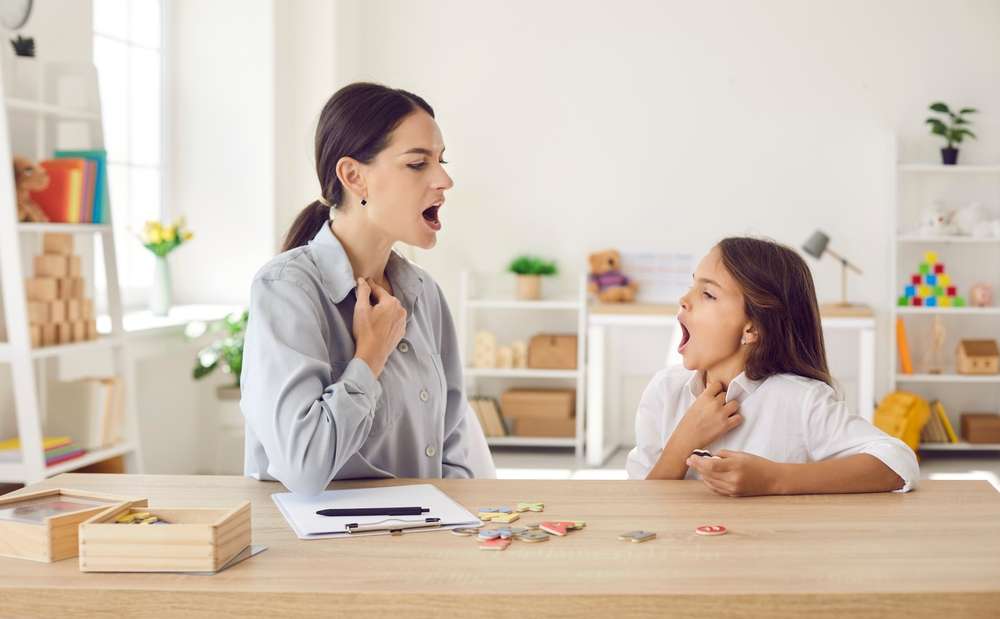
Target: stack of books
78	187
57	449
938	428
488	412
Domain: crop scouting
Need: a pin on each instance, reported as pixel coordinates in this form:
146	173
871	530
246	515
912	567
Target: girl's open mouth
431	217
685	337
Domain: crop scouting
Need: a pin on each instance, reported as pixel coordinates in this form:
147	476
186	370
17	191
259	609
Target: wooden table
934	552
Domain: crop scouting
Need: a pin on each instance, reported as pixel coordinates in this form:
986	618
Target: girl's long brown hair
780	301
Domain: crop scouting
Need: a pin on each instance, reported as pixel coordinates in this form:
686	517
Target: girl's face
406	183
713	321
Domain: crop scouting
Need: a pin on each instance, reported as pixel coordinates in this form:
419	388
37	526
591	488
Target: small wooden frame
53	534
195	540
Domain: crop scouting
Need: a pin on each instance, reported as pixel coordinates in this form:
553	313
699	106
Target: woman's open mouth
431	217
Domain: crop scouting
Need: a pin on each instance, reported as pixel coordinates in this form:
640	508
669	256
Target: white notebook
300	511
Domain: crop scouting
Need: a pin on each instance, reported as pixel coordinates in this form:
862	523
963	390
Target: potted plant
529	271
954	129
161	240
225	352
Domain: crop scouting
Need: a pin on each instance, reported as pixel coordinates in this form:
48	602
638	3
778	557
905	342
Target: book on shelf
942	415
89	408
488	412
57	449
78	187
905	362
938	428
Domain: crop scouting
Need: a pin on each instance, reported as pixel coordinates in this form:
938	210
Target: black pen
375	511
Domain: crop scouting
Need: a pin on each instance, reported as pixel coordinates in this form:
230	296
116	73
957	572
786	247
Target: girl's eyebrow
705	280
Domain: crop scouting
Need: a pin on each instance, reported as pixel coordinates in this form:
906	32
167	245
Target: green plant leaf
938	106
531	265
201	371
968	110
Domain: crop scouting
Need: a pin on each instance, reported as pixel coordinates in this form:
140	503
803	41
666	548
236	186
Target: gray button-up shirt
313	412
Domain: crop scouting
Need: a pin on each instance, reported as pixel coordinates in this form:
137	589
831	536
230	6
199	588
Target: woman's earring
364	202
743	340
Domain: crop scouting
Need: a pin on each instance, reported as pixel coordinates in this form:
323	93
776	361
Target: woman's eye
443	162
416	166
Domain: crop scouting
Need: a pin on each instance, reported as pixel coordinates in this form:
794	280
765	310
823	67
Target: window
128	53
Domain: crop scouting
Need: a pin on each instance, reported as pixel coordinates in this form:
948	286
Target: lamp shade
816	244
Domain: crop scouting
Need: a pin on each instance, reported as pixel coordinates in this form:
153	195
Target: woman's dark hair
780	300
356	122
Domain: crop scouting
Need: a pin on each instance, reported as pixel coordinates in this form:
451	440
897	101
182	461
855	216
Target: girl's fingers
733	422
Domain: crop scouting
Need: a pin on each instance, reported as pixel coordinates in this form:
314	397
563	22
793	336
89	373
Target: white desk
601	317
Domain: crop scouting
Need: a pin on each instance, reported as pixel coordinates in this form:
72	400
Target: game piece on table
531	507
465	531
556	528
505	518
532	537
495	544
637	536
711	529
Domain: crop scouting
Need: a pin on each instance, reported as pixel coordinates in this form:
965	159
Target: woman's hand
709	417
377	328
736	473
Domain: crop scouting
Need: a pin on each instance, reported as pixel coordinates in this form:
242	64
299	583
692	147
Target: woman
351	366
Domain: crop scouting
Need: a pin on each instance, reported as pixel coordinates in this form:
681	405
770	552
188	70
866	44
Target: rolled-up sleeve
308	425
832	431
458	438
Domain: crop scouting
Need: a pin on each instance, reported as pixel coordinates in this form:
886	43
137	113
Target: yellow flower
169	234
187	236
154	236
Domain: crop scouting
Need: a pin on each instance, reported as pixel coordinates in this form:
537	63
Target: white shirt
786	418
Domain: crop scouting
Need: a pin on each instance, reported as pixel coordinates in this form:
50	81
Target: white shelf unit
475	299
47	126
916	186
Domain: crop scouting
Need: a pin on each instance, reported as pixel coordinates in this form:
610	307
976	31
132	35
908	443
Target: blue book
101	204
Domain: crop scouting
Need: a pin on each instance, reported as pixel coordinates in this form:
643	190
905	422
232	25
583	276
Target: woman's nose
444	182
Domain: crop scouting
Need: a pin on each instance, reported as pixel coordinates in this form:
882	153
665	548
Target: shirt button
424	396
403	347
430	451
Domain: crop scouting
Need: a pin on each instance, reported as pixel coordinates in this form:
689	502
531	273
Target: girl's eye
708	295
416	166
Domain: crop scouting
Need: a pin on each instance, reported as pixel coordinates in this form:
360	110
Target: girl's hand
736	473
709	417
377	328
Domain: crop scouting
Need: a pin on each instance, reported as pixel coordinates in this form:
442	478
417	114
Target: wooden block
49	335
36	335
57	243
42	289
79	289
79	331
57	311
51	265
87	309
64	333
74	310
70	288
74	266
38	313
91	329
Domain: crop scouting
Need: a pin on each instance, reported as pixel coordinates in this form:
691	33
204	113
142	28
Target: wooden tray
195	540
53	534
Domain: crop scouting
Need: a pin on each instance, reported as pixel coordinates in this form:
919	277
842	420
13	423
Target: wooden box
195	540
552	352
545	428
57	243
51	265
538	403
981	427
41	289
978	357
42	525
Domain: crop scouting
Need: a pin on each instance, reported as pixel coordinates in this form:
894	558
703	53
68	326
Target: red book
63	458
65	191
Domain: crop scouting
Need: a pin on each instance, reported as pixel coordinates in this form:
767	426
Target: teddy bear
28	177
606	280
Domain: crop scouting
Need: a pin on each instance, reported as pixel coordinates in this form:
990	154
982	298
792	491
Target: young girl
755	392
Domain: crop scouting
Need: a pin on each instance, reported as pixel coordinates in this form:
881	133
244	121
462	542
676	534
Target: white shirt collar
740	388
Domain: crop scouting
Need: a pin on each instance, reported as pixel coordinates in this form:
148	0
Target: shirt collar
740	388
338	274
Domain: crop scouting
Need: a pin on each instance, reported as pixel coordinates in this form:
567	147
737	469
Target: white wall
221	127
573	126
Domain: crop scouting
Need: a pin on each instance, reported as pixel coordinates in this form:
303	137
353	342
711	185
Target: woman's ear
351	176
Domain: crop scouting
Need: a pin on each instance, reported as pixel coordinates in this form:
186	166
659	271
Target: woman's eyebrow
421	151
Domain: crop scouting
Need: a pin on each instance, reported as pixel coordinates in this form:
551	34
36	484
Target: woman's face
406	182
712	319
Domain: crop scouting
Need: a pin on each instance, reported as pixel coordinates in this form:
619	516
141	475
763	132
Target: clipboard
300	512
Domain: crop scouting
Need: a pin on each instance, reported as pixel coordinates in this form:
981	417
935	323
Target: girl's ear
351	176
750	334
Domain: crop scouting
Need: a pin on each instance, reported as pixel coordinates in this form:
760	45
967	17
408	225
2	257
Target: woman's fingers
364	294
